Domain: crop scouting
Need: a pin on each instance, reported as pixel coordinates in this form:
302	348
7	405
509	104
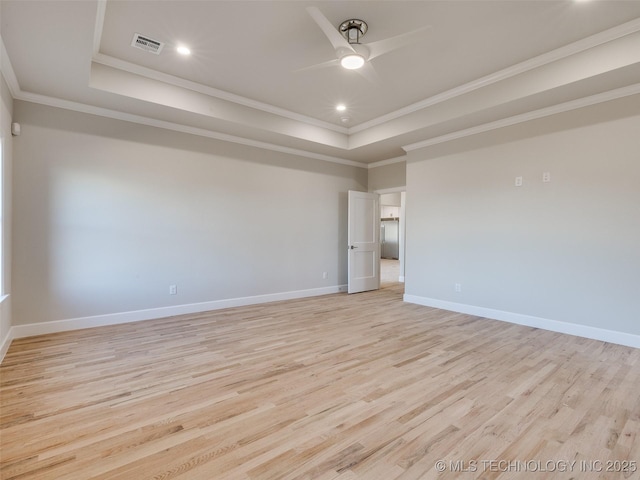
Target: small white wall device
15	129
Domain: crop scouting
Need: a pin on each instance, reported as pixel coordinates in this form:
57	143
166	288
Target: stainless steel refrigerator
389	238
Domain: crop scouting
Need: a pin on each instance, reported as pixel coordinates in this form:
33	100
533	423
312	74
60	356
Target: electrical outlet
457	287
325	275
173	289
518	182
546	177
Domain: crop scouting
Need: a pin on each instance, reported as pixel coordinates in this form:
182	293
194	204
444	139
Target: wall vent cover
147	44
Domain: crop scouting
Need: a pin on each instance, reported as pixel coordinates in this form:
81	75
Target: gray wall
108	214
387	176
567	250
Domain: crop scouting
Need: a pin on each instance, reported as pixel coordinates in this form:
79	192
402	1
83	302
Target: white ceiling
479	65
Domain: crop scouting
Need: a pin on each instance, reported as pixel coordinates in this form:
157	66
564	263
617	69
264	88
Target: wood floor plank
340	387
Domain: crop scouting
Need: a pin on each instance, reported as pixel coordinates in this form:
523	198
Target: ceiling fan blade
368	72
335	37
392	43
331	63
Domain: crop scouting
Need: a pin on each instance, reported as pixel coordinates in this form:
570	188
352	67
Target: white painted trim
382	191
180	82
6	343
517	69
97	32
152	122
7	71
390	161
533	115
29	330
586	331
576	47
17	93
401	278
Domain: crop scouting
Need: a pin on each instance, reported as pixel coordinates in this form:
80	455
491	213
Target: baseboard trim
6	342
595	333
22	331
33	329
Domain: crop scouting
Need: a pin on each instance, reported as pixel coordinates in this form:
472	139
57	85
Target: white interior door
364	242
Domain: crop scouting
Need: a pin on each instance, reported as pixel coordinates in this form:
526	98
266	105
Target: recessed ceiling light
182	50
352	61
341	107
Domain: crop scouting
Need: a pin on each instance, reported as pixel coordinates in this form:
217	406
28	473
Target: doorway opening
392	237
372	263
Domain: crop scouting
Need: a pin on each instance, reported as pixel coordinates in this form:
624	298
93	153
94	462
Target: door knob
352	247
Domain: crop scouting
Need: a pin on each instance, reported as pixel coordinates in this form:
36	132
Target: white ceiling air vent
147	44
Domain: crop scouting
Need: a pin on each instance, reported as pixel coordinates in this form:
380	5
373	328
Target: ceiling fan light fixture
352	61
182	50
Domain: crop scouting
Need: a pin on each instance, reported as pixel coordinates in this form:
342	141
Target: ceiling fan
350	53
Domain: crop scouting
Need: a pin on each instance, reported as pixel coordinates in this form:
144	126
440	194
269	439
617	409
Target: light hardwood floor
389	271
335	387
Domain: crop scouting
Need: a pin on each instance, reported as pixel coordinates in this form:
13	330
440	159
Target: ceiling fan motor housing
353	30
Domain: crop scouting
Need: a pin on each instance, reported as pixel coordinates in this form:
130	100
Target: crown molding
546	58
97	31
212	92
6	69
198	87
389	161
549	57
525	117
587	43
151	122
195	86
